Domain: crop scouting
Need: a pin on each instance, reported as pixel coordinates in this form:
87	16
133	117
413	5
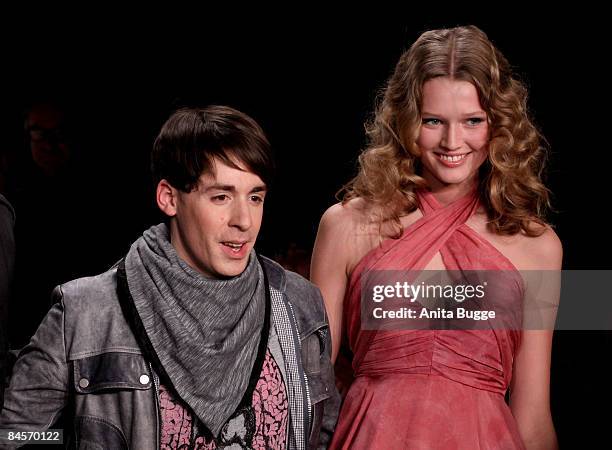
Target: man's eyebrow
220	187
231	188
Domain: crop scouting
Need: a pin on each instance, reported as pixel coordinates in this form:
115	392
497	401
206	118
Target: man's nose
241	215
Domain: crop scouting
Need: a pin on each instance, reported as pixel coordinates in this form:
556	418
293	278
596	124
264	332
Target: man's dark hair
192	137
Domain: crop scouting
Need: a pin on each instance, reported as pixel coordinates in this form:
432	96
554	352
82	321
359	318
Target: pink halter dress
429	389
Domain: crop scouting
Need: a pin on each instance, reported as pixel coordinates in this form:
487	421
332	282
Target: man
192	339
50	149
40	180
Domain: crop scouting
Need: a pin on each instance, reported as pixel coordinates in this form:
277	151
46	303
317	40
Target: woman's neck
448	193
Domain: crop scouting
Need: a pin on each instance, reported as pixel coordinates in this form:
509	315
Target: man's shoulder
285	280
304	297
92	289
92	303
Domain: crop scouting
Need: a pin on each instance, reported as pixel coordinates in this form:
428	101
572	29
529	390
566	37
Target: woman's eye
431	121
475	121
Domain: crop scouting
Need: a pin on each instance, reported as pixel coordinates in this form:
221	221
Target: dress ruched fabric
430	389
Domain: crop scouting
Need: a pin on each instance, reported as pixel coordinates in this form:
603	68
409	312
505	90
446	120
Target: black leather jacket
87	360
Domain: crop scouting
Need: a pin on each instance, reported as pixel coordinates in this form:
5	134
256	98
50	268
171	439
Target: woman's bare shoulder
351	216
544	251
350	230
541	252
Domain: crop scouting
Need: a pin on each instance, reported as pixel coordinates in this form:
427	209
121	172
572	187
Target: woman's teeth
452	158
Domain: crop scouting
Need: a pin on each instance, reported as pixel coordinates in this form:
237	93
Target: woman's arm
328	269
530	386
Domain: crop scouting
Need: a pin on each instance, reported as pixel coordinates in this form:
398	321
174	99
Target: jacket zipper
157	406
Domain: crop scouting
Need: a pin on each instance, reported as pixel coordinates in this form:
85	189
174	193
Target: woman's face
454	133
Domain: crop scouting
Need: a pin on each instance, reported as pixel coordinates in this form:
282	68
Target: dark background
310	81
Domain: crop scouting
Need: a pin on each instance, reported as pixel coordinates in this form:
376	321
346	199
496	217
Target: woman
451	180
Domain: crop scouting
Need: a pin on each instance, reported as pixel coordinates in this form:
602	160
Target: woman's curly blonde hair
510	184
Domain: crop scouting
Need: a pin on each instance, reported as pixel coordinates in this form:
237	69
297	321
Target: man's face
215	226
50	150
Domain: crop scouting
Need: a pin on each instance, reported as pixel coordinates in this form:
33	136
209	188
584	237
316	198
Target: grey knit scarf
204	331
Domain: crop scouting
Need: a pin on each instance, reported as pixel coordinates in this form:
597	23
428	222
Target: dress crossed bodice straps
442	229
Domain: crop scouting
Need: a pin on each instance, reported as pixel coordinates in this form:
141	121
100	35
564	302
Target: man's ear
167	197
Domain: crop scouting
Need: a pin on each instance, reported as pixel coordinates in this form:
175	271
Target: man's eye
220	197
257	198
